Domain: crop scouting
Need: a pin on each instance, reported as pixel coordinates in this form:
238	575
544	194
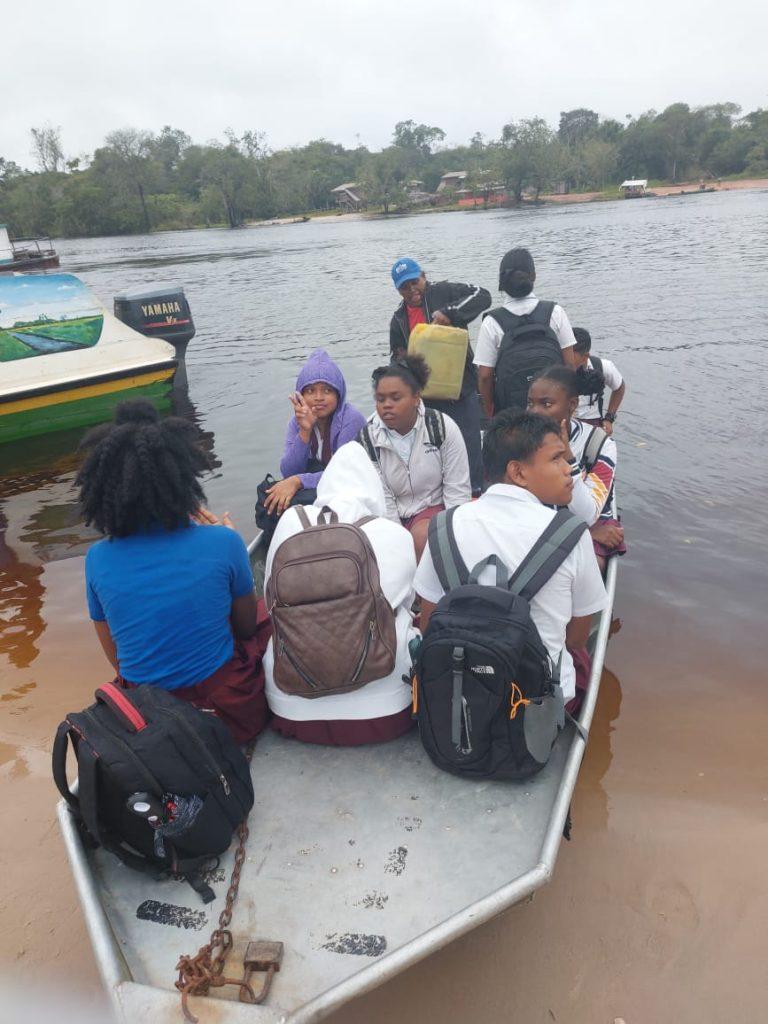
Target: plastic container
445	351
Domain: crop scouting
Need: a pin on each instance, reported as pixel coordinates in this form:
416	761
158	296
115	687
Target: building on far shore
350	197
452	180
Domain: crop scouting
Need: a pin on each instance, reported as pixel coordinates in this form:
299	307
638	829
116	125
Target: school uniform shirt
507	521
491	333
587	408
352	488
428	476
593	493
166	596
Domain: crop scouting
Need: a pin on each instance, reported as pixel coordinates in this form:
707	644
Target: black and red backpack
161	784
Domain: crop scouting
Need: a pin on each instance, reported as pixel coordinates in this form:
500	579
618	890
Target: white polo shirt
506	521
491	333
587	408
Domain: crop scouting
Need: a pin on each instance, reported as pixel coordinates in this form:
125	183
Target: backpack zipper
366	646
212	764
297	668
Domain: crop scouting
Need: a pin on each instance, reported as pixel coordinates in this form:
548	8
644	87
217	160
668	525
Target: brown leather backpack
333	630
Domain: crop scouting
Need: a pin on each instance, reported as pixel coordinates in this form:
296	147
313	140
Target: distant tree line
140	181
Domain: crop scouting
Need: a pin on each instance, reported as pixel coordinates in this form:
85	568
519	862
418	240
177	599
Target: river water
658	908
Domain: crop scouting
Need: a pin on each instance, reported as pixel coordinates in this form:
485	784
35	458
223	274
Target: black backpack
486	695
161	784
435	424
529	345
598	378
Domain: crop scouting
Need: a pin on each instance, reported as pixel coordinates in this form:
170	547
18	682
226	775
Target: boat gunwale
114	969
75	383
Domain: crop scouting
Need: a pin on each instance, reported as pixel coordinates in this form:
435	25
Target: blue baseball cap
404	270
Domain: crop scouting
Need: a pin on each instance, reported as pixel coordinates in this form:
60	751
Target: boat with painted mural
66	360
358	880
24	254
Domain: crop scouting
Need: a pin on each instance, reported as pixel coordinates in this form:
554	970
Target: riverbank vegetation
139	181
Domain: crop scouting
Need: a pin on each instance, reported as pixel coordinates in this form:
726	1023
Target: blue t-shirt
166	597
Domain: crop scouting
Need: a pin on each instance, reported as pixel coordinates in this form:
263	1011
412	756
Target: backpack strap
301	512
547	554
450	567
542	313
59	764
597	364
507	321
326	517
364	438
364	520
435	423
593	447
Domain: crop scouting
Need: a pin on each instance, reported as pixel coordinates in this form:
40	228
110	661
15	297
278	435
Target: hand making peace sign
305	418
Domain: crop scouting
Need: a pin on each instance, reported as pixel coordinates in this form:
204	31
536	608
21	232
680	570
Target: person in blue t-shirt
170	589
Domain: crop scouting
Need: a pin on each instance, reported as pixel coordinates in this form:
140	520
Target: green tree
46	148
422	137
577	126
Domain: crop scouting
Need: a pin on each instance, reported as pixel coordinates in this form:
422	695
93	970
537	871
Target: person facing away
510	351
591	407
526	464
322	421
380	710
555	393
169	588
453	305
419	453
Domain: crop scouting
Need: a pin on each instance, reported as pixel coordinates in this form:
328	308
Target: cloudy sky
348	70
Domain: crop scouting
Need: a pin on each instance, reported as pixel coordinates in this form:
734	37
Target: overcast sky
348	70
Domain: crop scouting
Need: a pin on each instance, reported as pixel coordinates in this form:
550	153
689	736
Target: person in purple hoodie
323	421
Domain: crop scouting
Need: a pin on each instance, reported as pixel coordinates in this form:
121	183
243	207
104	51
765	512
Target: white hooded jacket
352	487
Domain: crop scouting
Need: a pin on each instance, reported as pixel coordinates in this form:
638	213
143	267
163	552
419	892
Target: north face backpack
161	784
433	420
593	448
333	629
486	694
529	345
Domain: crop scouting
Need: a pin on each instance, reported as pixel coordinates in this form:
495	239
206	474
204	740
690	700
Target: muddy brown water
658	908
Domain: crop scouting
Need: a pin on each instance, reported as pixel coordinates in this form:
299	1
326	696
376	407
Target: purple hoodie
346	422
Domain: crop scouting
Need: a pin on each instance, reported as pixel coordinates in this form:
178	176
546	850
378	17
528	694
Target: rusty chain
200	973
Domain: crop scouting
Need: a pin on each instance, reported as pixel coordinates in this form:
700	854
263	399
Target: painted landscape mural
46	313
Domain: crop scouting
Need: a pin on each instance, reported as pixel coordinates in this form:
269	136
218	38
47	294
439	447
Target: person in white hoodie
380	710
420	453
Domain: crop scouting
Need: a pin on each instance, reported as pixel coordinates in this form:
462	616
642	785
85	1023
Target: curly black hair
140	471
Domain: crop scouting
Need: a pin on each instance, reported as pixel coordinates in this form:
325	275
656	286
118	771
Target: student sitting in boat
520	338
592	456
322	421
526	463
170	589
605	374
380	710
451	304
419	452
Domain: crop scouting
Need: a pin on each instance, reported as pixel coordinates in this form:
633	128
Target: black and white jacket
460	302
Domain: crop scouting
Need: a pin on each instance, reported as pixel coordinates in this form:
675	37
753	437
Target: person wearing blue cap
451	304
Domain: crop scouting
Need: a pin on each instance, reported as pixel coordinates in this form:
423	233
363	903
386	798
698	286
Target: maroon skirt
235	691
426	513
583	665
349	733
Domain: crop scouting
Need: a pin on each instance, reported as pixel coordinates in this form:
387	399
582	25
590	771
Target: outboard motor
161	312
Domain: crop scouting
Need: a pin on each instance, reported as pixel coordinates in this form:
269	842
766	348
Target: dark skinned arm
244	617
486	378
577	632
426	614
107	643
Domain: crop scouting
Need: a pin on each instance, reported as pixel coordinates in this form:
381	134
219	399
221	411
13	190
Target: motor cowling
160	312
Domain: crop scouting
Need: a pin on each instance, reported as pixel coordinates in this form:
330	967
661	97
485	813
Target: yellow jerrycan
445	352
